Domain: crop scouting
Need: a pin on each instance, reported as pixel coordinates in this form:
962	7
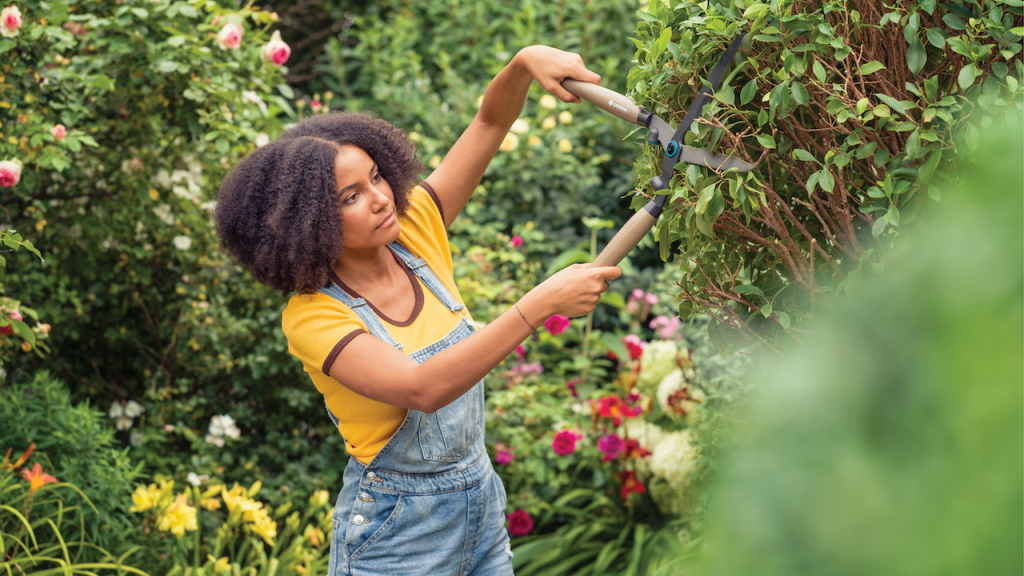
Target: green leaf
878	228
881	111
784	320
812	181
892	102
893	216
102	82
926	5
913	148
819	71
747	94
917	56
6	45
222	145
826	181
936	37
804	155
871	68
749	290
865	150
167	66
799	95
186	10
766	310
141	12
925	171
176	41
705	197
570	256
766	140
954	22
23	329
613	299
966	77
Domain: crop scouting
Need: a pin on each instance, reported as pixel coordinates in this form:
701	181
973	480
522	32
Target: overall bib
429	503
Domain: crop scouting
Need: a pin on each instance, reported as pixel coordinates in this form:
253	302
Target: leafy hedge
855	113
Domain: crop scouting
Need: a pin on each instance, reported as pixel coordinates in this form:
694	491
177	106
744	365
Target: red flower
633	449
630	484
612	356
564	443
635	345
503	455
557	324
516	241
36	478
613	407
519	523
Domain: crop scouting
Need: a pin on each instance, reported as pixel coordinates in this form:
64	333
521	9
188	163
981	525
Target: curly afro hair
277	212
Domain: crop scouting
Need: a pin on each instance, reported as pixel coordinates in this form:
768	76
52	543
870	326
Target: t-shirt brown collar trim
416	288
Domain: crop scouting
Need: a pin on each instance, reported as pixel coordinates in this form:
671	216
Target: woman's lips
387	221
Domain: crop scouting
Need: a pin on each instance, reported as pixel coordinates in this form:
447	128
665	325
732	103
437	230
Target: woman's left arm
460	172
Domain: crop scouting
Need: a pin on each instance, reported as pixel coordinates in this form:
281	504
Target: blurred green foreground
893	443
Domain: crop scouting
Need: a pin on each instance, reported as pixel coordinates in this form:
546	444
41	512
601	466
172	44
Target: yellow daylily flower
145	498
178	518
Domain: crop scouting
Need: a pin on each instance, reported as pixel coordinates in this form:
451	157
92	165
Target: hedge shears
659	132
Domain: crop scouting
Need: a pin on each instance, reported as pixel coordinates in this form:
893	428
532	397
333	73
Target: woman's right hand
573	291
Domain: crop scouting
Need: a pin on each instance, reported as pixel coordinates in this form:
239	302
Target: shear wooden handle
610	100
625	239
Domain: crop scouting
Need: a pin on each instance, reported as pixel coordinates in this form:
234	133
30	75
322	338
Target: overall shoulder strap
362	309
426	275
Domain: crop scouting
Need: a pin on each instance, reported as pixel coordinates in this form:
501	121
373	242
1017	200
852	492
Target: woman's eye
376	178
351	198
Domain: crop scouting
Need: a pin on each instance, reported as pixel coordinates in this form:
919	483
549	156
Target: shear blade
699	156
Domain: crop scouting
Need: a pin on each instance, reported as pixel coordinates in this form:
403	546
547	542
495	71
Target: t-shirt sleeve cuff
433	196
339	347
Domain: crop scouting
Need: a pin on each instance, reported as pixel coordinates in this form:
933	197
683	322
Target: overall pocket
379	520
448	434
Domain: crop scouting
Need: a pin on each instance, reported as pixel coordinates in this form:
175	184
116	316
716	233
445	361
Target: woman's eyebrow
372	170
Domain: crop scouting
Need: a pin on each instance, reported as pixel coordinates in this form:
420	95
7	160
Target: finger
608	272
559	91
578	266
588	76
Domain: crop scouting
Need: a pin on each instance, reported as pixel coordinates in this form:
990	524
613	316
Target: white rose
133	409
182	242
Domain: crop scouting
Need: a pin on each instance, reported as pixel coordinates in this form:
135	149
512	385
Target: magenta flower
651	299
635	345
521	352
503	456
557	324
564	443
611	446
516	241
571	384
519	523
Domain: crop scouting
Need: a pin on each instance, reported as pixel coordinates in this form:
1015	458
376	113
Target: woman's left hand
549	66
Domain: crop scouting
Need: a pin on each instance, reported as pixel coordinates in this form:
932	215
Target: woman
380	327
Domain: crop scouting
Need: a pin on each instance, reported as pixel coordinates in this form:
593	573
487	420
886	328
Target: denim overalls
429	503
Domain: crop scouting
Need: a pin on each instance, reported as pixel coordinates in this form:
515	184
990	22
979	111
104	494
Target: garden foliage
856	113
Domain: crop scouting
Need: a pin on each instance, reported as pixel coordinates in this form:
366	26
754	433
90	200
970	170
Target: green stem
590	317
199	526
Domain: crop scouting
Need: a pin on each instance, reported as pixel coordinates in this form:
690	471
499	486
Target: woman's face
367	204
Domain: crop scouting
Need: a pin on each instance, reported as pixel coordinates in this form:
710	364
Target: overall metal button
364	497
358	519
371	476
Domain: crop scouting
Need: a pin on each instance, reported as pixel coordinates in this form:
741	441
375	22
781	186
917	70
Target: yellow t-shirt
318	327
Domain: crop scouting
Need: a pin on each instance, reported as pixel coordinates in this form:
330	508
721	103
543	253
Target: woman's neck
367	268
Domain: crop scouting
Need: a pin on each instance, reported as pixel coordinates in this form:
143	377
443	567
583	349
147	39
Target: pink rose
275	51
10	173
9	329
230	36
651	299
10	21
519	523
637	294
516	241
564	443
611	446
315	105
557	324
503	456
58	132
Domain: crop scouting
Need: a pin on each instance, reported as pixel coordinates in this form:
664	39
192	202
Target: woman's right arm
373	369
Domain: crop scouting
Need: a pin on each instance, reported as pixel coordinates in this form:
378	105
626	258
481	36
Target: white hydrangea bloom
182	242
656	362
116	410
136	438
162	179
133	409
674	458
123	423
224	425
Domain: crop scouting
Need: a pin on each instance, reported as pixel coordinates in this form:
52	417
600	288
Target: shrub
854	111
76	445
